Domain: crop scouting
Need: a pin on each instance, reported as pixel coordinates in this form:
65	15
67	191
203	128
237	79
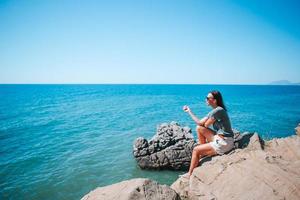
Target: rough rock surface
170	148
134	189
255	170
262	170
298	130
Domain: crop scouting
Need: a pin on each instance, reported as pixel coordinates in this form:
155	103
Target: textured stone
134	189
256	169
261	170
170	148
298	130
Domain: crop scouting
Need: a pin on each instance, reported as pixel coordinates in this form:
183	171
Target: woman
218	140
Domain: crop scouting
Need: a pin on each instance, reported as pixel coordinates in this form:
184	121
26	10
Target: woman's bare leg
198	152
204	134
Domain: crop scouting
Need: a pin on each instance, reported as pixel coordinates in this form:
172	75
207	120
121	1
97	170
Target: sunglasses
207	98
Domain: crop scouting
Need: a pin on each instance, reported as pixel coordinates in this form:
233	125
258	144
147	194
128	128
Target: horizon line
262	84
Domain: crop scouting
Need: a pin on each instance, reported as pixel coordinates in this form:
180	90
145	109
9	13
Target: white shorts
221	145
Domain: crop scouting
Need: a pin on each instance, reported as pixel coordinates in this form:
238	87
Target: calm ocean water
61	141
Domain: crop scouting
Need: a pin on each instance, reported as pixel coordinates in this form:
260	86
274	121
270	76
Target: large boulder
134	189
170	148
261	170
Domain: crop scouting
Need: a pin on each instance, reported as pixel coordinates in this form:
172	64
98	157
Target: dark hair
217	95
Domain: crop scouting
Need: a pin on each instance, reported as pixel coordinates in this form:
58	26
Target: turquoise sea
61	141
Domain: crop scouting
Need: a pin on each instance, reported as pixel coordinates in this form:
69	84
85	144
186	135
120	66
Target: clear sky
150	41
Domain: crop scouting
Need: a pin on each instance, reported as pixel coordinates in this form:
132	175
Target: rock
262	170
170	148
256	169
298	130
255	143
134	189
246	139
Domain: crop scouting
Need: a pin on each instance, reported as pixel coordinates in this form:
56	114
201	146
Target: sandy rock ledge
134	189
263	170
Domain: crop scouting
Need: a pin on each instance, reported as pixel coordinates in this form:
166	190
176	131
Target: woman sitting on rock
218	140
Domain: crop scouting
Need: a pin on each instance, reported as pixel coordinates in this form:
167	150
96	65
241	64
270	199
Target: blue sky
151	41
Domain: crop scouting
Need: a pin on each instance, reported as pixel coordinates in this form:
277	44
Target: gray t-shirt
222	124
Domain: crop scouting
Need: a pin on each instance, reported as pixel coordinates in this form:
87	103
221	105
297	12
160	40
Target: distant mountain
283	82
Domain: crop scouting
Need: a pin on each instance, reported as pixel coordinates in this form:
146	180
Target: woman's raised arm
194	117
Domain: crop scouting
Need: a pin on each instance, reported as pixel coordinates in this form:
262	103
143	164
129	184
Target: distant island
283	82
